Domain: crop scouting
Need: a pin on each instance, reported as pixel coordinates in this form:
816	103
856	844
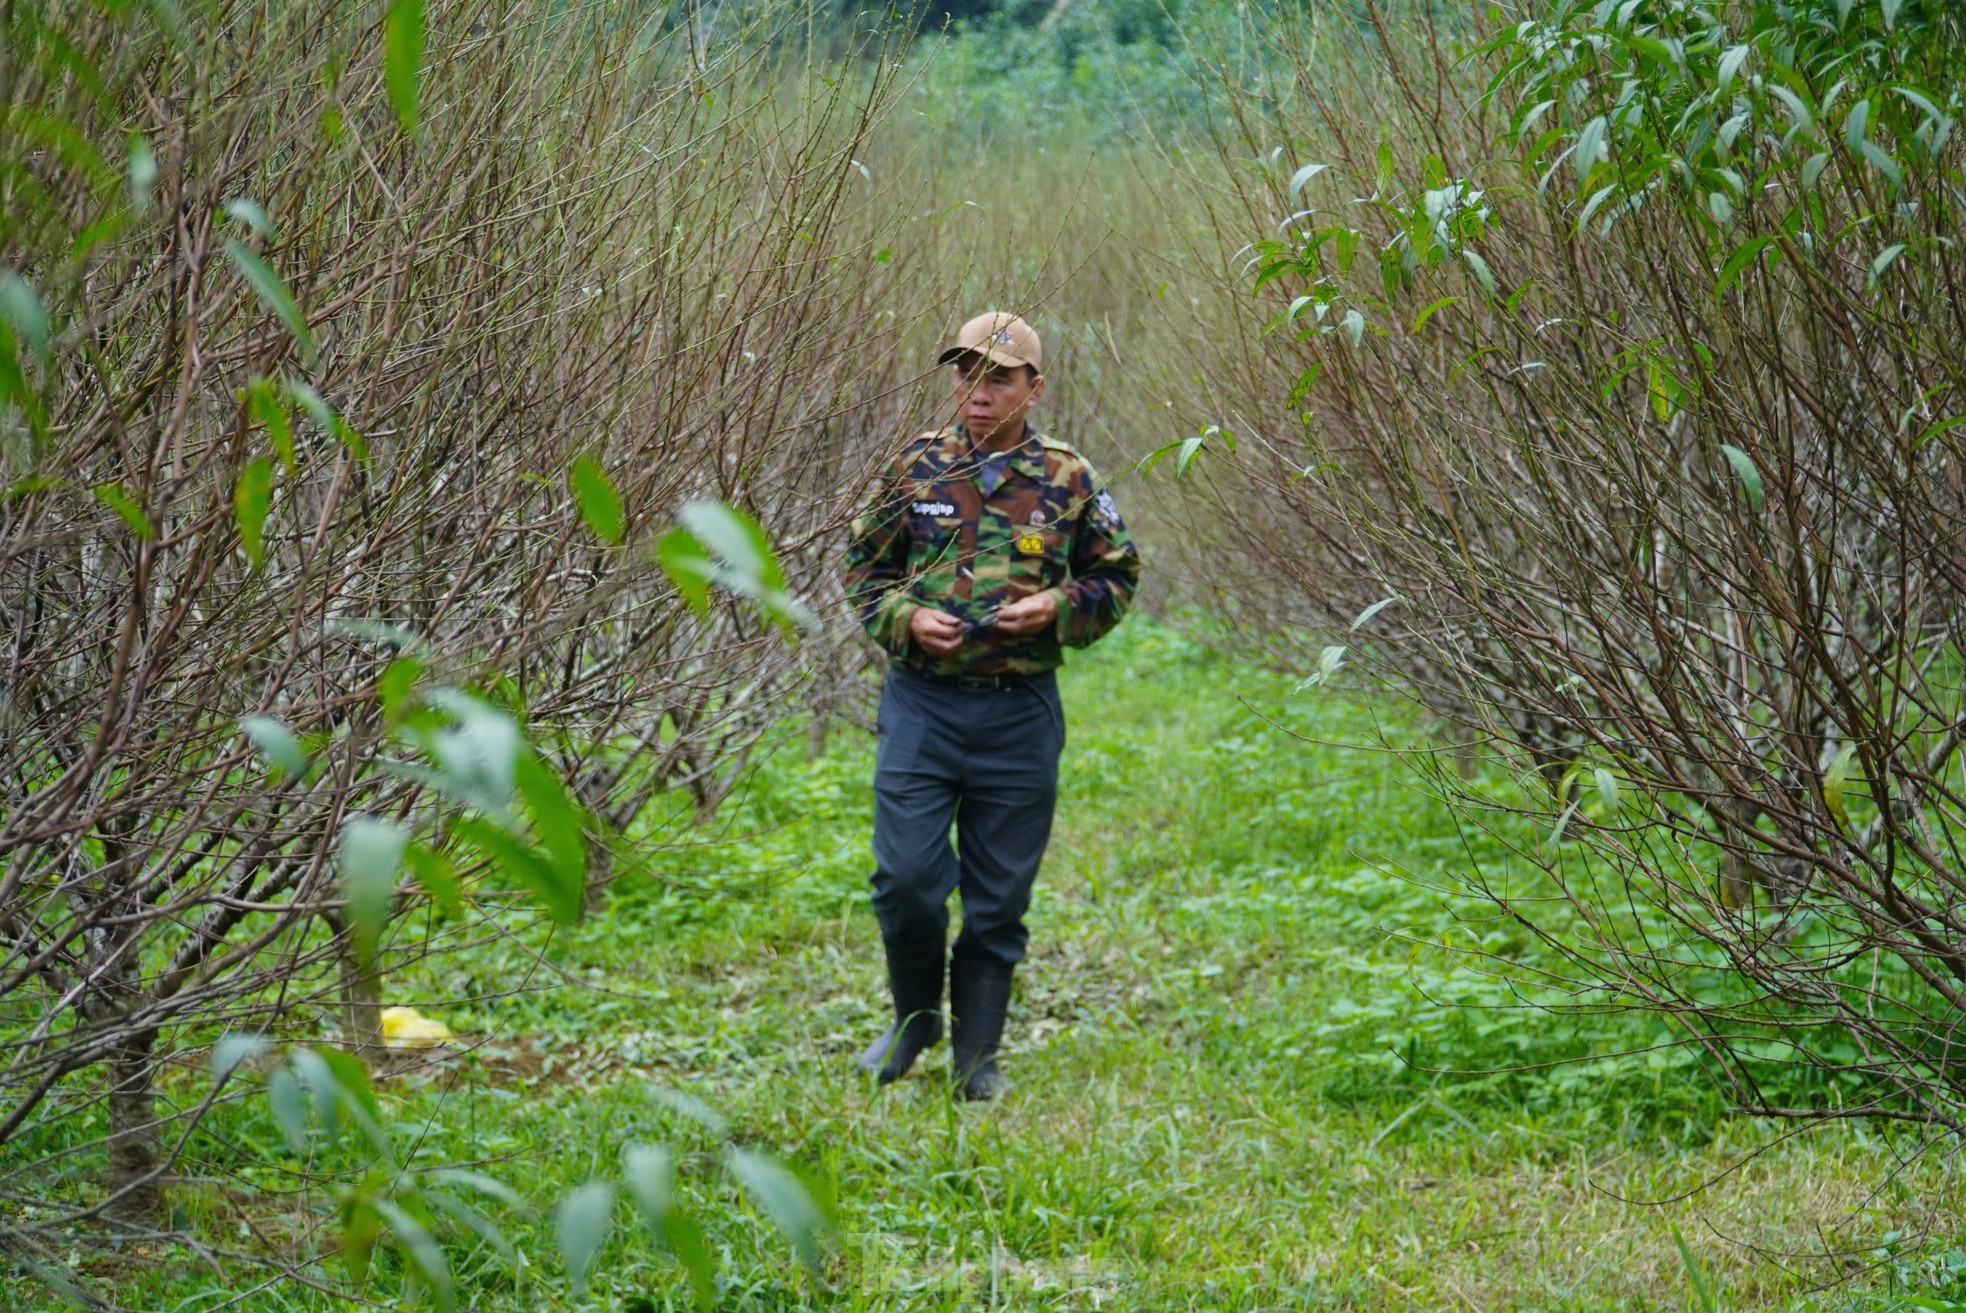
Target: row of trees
1607	398
351	372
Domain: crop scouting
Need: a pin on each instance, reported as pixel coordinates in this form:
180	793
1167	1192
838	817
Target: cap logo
1004	338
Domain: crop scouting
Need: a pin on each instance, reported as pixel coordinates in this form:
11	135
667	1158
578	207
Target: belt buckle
976	683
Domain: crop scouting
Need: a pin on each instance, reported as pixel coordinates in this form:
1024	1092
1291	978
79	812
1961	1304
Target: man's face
992	398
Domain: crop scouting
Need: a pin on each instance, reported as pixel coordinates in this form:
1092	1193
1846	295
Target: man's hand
1028	615
937	632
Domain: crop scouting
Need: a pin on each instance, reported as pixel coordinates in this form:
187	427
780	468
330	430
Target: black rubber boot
914	977
979	999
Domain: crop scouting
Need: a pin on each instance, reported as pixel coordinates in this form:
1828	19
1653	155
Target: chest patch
933	508
1031	544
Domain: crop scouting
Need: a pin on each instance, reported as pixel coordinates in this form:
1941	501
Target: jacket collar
1027	458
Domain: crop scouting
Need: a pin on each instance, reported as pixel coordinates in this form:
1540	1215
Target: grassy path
1214	1053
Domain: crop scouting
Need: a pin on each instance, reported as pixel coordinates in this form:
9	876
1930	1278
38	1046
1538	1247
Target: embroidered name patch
934	508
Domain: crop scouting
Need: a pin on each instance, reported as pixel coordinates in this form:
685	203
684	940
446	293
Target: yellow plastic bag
406	1028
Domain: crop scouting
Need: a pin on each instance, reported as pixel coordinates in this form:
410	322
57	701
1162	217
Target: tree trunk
361	1003
135	1153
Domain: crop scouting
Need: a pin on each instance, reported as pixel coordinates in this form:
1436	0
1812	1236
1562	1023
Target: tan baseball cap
999	337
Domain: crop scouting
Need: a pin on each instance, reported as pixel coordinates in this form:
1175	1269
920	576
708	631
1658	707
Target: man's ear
1037	389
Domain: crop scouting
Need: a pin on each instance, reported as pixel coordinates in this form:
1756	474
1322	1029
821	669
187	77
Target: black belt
978	683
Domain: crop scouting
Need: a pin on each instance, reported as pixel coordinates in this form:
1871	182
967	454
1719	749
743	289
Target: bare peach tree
1606	397
347	367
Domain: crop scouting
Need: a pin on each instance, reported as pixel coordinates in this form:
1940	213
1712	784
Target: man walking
986	550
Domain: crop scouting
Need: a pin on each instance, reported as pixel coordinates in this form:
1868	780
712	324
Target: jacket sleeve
877	561
1105	569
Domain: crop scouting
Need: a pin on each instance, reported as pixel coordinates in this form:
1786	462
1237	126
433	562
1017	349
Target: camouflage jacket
931	536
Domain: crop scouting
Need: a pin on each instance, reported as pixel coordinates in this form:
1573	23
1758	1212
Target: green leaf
421	1252
1745	471
117	498
719	545
1798	109
1607	789
1856	126
471	1220
289	1109
581	1223
688	566
361	1227
438	877
489	1186
477	755
1836	779
1730	67
249	212
1596	203
1693	1273
1364	617
252	496
1881	160
650	1173
1420	320
277	744
556	820
376	631
1190	448
689	1106
1667	393
735	538
1590	145
273	290
1742	256
1303	176
784	1199
599	504
328	420
233	1049
1305	382
1562	824
402	58
340	1087
1480	269
142	172
395	686
22	309
351	1084
30	485
1935	430
1884	260
368	857
563	900
267	407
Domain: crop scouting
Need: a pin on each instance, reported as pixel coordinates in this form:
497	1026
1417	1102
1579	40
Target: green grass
1242	1078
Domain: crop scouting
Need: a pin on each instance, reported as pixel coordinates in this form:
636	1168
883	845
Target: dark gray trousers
986	761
